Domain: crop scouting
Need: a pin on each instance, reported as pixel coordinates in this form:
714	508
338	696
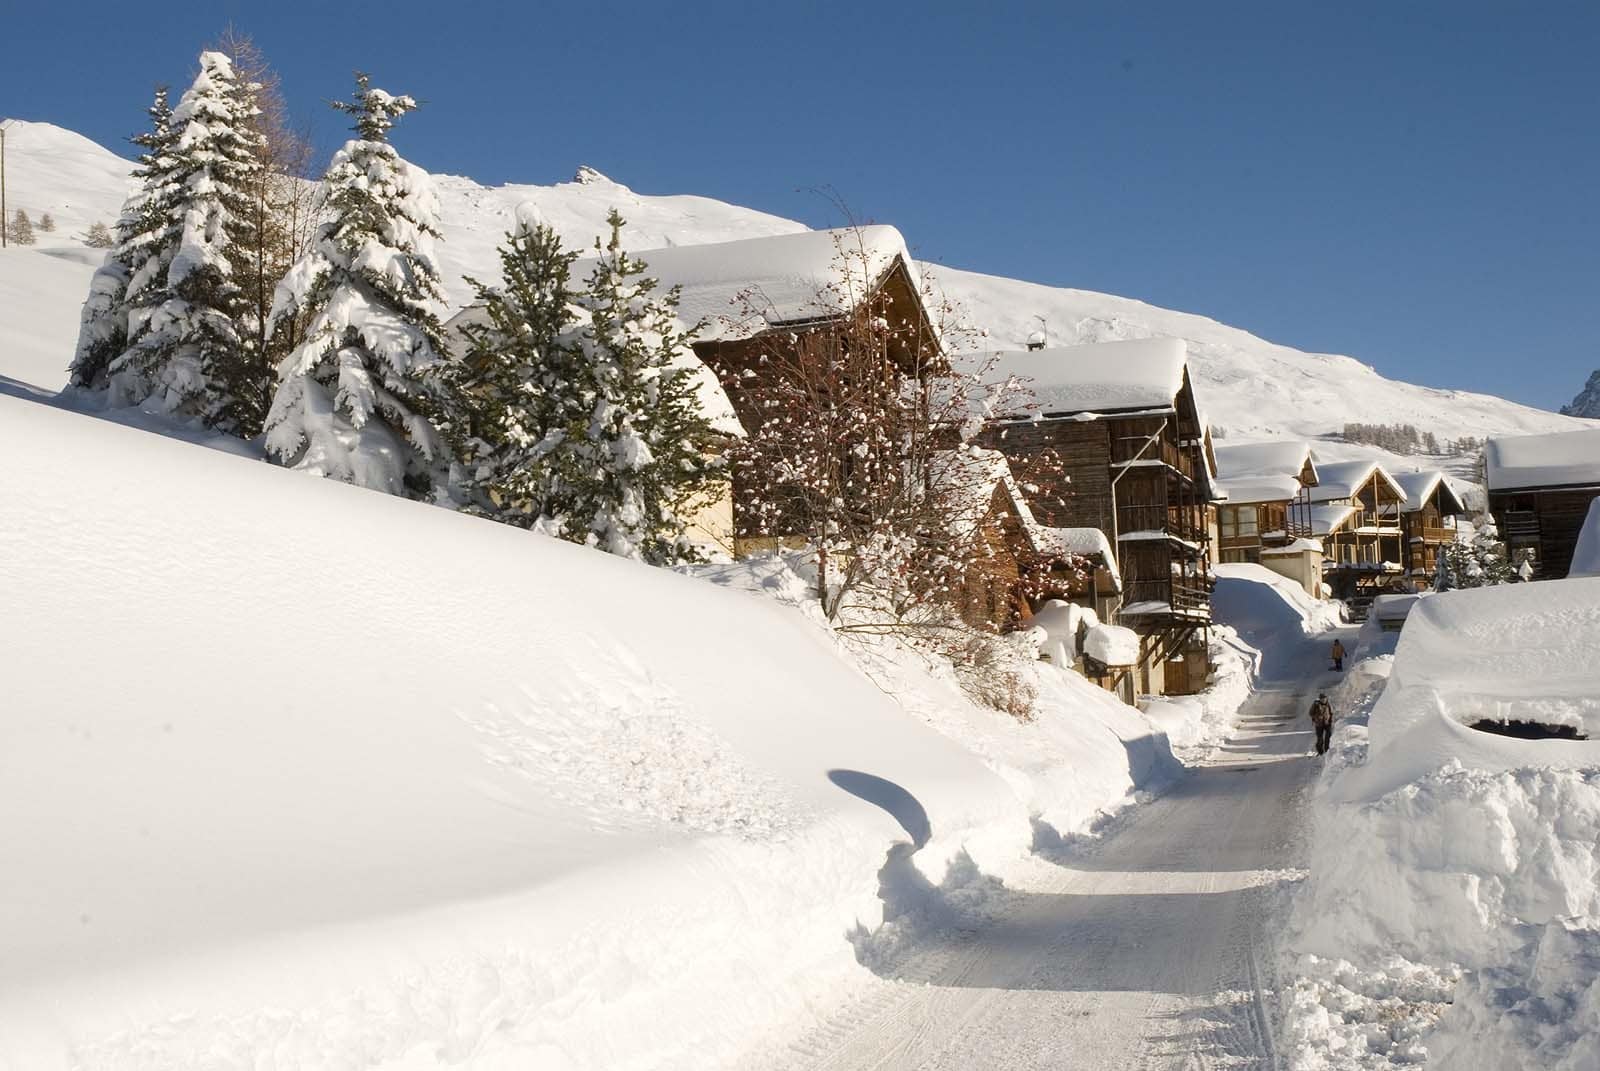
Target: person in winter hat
1322	721
1338	655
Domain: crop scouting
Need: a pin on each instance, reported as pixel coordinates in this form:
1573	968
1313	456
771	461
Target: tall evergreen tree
358	398
185	352
642	455
142	227
513	379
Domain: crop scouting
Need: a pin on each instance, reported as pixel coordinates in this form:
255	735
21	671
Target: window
1237	521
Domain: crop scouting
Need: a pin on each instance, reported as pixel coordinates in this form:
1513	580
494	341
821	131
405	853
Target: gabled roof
1263	472
741	288
1342	479
1420	486
1329	517
974	472
1140	374
1562	459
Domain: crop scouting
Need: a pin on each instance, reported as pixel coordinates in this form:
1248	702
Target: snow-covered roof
1342	479
739	289
1297	546
714	401
1419	487
1556	460
1136	374
1112	645
1249	489
1586	555
1263	472
1395	607
1329	517
975	471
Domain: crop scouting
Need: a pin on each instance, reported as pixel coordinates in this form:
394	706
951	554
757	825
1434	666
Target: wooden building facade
1119	440
1540	488
1356	513
1427	523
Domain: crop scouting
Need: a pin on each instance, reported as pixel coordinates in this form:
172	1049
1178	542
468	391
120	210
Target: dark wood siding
1547	522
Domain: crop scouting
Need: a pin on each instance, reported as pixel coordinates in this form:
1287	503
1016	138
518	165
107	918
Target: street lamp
5	124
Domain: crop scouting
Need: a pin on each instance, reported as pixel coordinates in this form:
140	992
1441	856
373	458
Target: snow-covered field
304	773
1453	912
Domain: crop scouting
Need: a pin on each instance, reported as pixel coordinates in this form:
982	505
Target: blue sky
1416	185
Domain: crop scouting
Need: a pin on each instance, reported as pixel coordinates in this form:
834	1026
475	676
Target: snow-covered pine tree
141	229
515	381
643	455
47	223
1477	561
98	236
21	230
358	398
185	352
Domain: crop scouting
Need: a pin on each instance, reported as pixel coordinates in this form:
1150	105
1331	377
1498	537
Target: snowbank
1452	852
299	769
1586	555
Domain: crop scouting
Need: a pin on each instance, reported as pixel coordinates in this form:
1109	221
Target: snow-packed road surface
1149	950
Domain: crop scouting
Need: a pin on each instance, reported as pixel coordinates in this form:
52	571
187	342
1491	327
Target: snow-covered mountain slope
1249	387
295	768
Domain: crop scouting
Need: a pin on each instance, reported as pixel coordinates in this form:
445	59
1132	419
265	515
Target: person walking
1338	655
1322	721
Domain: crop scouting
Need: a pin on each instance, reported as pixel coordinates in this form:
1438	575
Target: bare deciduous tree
282	202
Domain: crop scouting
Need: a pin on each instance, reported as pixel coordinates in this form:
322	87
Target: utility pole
4	226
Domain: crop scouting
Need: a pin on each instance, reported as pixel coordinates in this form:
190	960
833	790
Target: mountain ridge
1250	388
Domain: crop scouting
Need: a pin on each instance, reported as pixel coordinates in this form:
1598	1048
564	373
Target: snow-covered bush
1476	559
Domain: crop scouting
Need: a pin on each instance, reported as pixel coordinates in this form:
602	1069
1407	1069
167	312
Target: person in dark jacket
1322	721
1338	655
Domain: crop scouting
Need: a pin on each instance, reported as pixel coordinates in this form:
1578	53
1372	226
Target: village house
1023	563
1540	488
1266	515
757	301
1427	522
1355	512
766	306
1115	434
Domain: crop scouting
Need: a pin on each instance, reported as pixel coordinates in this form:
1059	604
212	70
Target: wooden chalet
1024	564
1355	512
1266	517
1540	488
1427	522
1118	422
764	303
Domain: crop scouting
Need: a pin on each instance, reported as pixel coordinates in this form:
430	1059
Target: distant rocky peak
1587	403
587	176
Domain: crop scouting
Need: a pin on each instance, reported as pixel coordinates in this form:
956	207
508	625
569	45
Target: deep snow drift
299	772
1453	911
